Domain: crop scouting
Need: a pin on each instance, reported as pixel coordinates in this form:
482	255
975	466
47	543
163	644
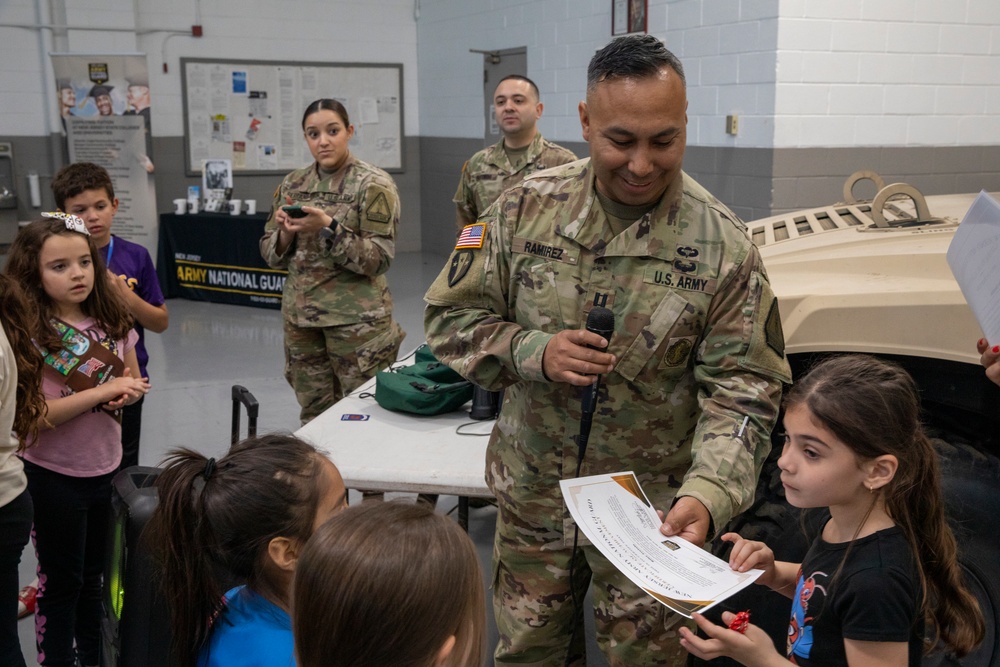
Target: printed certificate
614	513
972	256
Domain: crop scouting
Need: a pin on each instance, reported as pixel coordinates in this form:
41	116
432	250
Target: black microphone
600	321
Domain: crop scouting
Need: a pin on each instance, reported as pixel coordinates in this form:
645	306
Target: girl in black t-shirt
885	563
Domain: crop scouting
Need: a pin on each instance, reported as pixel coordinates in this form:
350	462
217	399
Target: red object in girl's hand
741	622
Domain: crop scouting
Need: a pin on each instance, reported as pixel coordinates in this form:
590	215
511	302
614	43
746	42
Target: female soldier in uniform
333	227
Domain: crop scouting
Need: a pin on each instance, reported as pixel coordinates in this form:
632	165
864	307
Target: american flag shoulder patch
472	236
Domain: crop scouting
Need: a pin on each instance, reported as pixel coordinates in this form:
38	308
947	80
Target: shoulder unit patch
772	330
459	266
379	210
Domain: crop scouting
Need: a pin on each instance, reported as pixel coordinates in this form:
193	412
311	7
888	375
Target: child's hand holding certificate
614	513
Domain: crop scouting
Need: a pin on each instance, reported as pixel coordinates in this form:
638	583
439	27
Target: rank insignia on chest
472	236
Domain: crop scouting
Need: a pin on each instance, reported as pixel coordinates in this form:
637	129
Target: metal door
497	65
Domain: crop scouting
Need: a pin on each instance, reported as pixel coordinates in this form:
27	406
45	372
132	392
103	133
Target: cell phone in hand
294	211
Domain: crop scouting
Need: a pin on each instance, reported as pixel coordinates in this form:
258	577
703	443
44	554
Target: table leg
463	512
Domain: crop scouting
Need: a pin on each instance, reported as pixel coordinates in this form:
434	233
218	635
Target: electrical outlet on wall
732	124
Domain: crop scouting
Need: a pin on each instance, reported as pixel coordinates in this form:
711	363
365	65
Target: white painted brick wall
896	72
302	30
868	72
798	72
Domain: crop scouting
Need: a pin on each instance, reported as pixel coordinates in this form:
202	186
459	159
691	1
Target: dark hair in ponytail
327	104
220	516
873	407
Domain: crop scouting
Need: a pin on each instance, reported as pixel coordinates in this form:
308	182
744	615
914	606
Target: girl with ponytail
884	568
245	517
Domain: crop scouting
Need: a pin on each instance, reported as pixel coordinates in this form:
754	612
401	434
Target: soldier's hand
567	357
313	221
687	519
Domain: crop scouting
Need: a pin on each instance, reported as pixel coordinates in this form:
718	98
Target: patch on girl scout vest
461	260
379	210
472	236
81	362
772	329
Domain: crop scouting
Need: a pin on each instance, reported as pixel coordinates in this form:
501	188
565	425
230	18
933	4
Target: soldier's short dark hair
79	177
632	56
521	77
328	105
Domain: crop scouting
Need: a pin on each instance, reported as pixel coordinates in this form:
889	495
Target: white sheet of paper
367	110
614	513
974	258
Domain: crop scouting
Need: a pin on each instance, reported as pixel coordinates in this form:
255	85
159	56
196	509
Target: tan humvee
872	277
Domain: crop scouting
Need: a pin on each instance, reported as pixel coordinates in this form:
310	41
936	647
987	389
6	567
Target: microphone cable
601	321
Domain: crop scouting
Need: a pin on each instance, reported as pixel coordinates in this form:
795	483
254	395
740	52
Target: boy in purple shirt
85	190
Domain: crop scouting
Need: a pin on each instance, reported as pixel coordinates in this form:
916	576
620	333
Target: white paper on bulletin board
250	112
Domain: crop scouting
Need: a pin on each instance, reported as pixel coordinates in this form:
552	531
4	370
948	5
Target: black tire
970	480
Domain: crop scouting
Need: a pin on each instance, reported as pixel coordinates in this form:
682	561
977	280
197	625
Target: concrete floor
209	347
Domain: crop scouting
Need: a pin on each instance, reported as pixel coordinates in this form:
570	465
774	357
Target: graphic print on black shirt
800	631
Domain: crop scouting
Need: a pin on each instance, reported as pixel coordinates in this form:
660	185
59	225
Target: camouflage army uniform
336	303
699	347
489	172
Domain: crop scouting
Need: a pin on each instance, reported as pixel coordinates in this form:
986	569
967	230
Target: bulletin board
250	112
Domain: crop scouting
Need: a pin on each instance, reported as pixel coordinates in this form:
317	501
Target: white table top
396	451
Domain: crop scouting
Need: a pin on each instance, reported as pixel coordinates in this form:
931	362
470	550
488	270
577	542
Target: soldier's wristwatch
327	233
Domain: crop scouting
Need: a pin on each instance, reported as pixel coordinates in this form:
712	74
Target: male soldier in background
520	152
692	375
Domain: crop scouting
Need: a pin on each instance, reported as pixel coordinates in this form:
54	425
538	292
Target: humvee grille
773	230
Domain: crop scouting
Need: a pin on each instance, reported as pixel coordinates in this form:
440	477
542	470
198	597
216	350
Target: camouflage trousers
537	619
323	364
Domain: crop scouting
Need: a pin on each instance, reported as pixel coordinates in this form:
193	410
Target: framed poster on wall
250	112
628	16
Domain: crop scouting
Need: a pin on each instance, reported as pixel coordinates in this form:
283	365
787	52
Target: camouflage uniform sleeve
467	320
269	241
369	250
465	203
565	156
739	369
